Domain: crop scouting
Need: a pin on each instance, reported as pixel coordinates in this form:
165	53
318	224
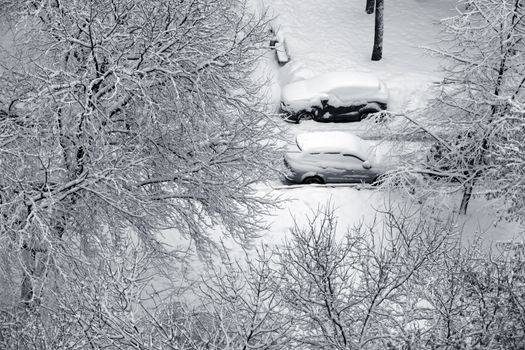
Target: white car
334	97
331	157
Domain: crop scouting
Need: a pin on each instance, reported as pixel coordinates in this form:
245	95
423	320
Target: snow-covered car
331	157
334	97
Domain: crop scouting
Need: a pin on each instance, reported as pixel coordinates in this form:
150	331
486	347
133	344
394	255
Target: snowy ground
337	35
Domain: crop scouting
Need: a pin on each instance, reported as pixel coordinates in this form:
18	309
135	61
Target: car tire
296	117
313	180
307	115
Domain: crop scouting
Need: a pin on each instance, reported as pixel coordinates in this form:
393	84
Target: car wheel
313	180
306	115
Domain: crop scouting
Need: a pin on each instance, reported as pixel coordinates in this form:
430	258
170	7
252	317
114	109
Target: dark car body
334	97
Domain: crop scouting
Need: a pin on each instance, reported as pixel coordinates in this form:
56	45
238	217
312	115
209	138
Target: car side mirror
366	164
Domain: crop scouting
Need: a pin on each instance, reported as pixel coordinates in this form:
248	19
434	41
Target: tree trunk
467	193
370	6
28	260
377	52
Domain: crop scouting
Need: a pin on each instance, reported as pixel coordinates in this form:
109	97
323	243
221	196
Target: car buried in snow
334	97
331	157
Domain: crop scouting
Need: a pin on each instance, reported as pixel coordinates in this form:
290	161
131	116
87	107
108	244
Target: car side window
331	159
333	156
352	160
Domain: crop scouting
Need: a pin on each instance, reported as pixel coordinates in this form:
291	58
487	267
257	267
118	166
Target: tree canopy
123	118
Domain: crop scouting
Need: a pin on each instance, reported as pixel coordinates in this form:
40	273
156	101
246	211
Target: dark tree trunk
467	193
26	292
370	6
377	52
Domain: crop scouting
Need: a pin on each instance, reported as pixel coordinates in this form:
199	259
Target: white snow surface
337	35
340	88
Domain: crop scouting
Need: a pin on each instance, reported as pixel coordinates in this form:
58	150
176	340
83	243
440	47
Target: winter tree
353	290
124	301
476	123
408	282
119	119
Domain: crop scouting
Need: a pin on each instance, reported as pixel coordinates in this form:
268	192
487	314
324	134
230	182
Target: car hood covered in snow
339	88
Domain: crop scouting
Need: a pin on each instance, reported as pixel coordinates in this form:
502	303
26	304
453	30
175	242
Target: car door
354	170
343	106
332	167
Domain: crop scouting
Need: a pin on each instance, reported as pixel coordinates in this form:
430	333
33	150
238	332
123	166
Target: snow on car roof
332	141
345	86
